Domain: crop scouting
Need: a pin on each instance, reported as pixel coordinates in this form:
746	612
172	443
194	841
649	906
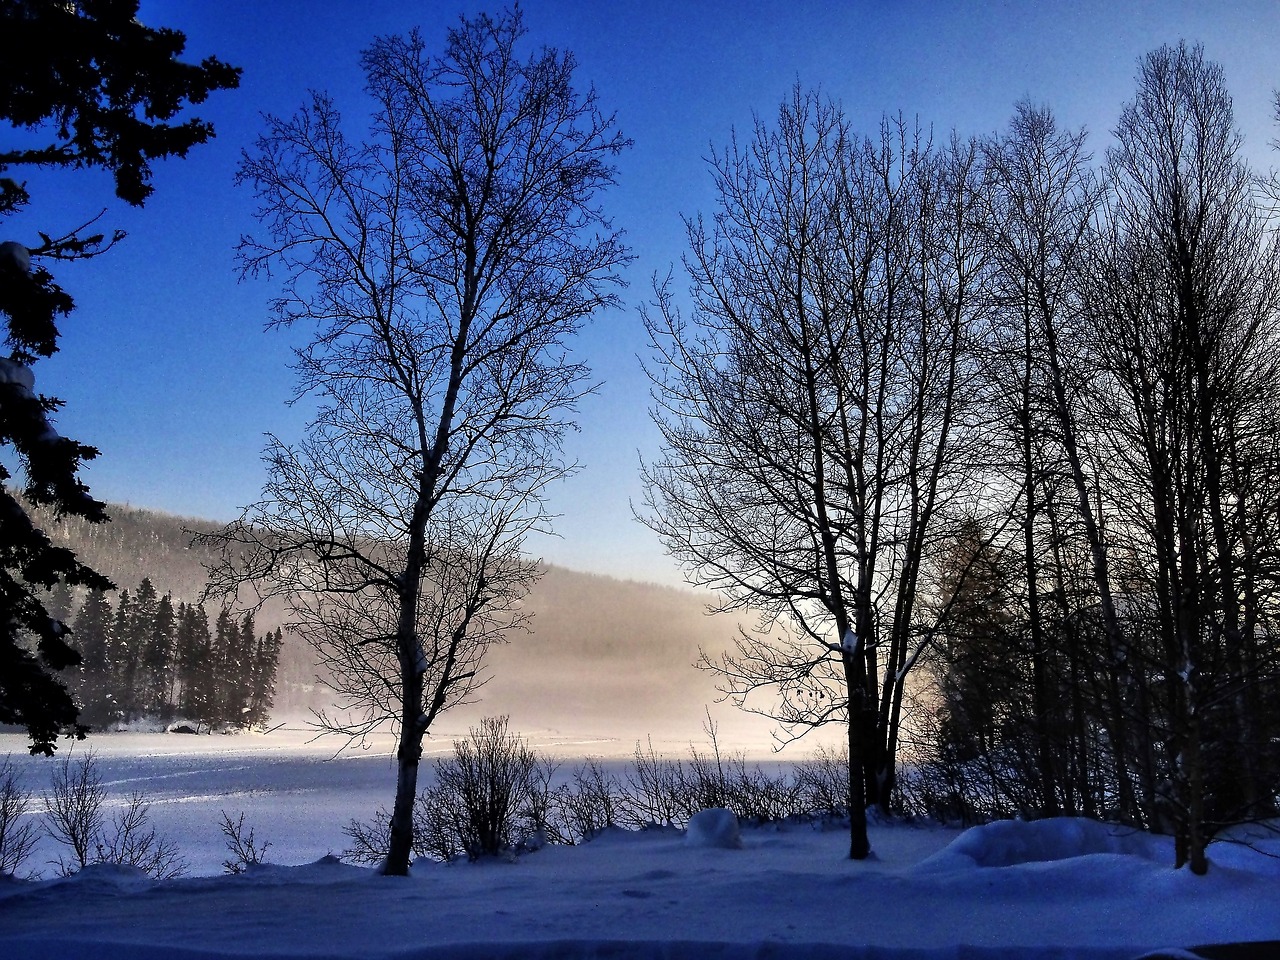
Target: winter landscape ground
1053	888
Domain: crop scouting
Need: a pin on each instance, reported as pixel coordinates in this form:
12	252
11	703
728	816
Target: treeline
145	658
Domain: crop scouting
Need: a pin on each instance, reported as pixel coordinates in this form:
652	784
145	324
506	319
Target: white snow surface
715	827
1047	889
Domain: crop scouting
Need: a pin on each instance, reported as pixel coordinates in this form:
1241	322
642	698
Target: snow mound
1007	843
110	877
714	827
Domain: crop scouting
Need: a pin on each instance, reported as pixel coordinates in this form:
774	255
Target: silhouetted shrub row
497	796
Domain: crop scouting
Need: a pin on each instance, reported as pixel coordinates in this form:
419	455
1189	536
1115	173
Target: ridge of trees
618	633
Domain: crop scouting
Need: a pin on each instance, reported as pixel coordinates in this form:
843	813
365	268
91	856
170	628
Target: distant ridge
606	658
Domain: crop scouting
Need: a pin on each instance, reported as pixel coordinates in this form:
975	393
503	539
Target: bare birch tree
442	263
809	408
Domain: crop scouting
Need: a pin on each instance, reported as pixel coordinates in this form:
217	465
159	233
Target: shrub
593	800
656	790
823	781
74	819
476	804
74	811
244	849
133	842
18	832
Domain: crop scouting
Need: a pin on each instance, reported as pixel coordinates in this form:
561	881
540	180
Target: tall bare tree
809	408
442	263
1040	197
1186	314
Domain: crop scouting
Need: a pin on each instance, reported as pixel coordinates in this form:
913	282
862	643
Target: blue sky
165	365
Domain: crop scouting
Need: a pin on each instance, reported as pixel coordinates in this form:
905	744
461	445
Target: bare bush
18	833
371	839
717	779
134	842
540	809
244	848
74	811
75	819
823	780
592	801
484	787
655	790
497	796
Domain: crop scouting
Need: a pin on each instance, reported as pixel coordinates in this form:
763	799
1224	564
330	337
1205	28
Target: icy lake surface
296	790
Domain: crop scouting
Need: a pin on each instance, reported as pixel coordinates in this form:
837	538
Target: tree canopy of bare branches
811	406
440	265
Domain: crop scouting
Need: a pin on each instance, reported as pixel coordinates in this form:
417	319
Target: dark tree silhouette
811	409
443	263
91	87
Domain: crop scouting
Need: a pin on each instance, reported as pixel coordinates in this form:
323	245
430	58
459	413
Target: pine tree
181	656
979	651
240	672
119	674
158	661
60	603
134	681
92	636
226	639
91	87
266	660
186	652
200	676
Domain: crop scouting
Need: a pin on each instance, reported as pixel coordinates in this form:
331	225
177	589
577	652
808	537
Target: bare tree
1040	197
1185	312
810	408
75	818
443	262
73	808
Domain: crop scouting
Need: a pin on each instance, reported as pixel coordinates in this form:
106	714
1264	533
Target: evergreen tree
198	693
184	660
979	652
226	640
266	660
119	675
158	661
239	677
91	87
60	603
92	636
134	681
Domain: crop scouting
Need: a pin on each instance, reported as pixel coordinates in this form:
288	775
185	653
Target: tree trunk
400	850
859	844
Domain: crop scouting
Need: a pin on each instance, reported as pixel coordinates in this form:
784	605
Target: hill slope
606	658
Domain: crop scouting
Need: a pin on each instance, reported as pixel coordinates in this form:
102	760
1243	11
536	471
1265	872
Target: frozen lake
296	791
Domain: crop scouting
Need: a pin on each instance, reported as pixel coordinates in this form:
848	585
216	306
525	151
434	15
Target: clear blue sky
165	365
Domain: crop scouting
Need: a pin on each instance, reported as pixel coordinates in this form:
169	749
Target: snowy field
1053	889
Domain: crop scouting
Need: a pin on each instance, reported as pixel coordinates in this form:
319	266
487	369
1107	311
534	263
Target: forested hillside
604	658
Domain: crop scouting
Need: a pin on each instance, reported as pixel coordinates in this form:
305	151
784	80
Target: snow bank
714	827
1008	843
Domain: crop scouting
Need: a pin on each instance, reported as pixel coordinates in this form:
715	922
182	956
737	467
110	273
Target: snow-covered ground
1065	888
